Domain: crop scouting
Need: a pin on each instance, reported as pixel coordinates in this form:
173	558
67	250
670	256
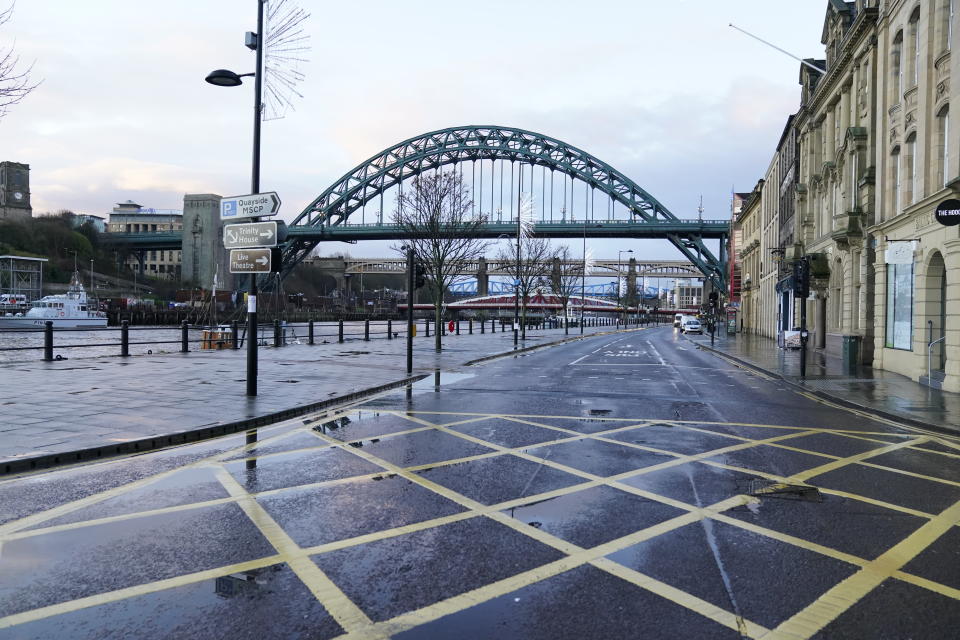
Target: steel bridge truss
436	149
598	268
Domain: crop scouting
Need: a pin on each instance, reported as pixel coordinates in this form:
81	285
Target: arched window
895	181
943	143
913	184
945	24
897	65
853	182
915	48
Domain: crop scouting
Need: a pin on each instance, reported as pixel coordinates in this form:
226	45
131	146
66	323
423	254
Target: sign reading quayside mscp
250	206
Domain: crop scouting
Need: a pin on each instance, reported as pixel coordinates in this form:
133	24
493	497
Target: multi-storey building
917	291
130	217
735	274
874	158
835	200
748	222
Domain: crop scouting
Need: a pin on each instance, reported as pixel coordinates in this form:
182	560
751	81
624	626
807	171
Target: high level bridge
575	195
483	269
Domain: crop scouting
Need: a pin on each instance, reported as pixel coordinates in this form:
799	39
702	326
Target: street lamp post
516	282
226	78
619	267
583	275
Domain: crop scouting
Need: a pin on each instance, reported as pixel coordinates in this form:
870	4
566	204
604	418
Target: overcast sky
664	91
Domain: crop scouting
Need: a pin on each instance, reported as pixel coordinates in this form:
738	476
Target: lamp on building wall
778	254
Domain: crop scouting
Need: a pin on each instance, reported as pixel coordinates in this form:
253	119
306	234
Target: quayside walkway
80	409
883	392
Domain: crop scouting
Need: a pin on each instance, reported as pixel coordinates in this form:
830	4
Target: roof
24	258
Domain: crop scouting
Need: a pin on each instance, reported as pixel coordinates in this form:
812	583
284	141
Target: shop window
899	330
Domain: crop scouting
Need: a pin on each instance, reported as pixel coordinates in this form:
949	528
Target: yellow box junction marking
358	624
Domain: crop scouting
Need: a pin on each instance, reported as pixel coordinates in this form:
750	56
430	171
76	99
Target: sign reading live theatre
948	212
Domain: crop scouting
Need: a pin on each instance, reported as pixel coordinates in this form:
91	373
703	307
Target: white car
678	320
691	325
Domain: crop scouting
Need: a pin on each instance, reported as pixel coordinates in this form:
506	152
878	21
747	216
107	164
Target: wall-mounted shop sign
948	212
900	251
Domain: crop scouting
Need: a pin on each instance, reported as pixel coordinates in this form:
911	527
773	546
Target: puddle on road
440	378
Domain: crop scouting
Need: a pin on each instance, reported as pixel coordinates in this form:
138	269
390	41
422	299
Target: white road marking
656	353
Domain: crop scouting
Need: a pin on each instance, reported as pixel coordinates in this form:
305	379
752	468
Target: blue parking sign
228	209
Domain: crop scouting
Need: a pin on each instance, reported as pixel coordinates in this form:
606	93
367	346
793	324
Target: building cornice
860	28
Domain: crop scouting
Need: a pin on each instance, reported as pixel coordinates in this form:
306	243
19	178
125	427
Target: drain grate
761	487
600	412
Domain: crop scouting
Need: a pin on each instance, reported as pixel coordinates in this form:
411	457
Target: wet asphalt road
625	486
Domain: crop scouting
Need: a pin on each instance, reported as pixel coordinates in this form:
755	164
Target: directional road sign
250	261
253	234
250	206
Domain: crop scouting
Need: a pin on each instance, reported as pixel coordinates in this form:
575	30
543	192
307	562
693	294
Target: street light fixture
227	78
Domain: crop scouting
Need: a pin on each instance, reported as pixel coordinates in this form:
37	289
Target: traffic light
419	275
276	260
714	299
801	278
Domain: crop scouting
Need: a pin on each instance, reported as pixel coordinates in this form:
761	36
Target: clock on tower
15	190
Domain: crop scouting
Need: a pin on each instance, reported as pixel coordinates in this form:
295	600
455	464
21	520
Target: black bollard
470	326
483	326
389	329
184	338
310	332
366	330
276	333
124	338
48	340
458	327
426	333
235	338
340	332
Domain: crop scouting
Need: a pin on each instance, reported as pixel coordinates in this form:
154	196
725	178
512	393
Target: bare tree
530	270
565	280
15	81
435	215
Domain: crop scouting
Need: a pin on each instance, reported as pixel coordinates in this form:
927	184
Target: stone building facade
203	252
875	156
130	217
748	222
917	294
835	193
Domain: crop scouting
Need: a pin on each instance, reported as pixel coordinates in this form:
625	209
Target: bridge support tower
483	278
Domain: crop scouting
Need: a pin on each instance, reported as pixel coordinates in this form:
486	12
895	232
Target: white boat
69	310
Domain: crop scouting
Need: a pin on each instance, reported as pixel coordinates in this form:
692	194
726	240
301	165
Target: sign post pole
409	311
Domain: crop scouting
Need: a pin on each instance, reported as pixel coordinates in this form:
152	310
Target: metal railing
233	337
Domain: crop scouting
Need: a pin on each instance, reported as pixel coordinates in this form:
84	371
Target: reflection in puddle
245	582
